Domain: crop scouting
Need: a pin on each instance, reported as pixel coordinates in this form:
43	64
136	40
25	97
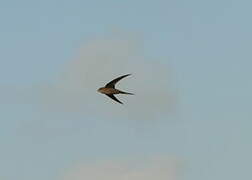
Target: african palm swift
110	89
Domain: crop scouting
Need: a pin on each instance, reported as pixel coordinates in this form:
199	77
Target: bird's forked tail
121	92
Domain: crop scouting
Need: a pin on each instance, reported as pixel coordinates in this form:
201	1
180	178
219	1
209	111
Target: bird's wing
112	83
114	98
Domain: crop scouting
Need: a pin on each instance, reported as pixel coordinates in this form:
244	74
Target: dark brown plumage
110	89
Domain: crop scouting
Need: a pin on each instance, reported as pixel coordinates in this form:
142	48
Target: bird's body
105	90
110	89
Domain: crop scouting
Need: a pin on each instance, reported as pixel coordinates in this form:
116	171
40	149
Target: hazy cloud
100	61
155	169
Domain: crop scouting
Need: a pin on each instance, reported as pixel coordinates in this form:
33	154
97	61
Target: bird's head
100	89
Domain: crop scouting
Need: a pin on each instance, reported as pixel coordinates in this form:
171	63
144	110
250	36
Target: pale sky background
205	47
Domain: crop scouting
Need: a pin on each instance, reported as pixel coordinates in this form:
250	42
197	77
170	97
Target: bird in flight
110	89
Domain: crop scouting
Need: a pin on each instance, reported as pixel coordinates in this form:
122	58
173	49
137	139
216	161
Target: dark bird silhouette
110	89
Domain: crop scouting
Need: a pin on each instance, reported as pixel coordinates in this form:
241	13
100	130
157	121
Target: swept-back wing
112	83
114	98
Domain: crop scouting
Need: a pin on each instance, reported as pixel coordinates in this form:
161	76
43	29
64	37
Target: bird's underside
110	89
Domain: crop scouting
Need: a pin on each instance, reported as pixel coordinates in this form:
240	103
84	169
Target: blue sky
207	46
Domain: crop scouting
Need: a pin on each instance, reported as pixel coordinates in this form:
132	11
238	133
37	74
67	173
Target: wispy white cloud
102	60
161	169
